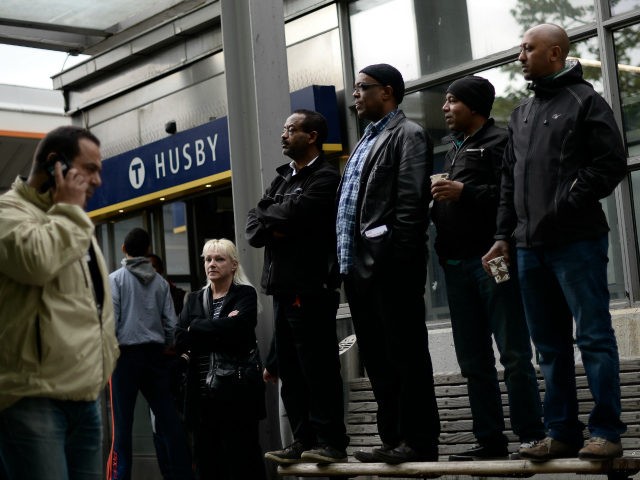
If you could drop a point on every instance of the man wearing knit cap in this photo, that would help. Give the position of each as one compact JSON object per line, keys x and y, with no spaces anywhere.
{"x":381,"y":227}
{"x":464,"y":213}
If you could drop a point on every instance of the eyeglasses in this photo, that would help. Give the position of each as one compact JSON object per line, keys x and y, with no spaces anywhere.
{"x":361,"y":87}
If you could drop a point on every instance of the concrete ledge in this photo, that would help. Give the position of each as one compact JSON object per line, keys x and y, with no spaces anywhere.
{"x":629,"y":465}
{"x":626,"y":323}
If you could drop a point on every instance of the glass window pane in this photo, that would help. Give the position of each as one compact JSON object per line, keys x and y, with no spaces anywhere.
{"x":622,"y":6}
{"x":626,"y":43}
{"x":439,"y":34}
{"x":311,"y":25}
{"x":120,"y":230}
{"x":322,"y":67}
{"x":103,"y":240}
{"x":314,"y":55}
{"x":615,"y":275}
{"x":635,"y":193}
{"x":175,"y":239}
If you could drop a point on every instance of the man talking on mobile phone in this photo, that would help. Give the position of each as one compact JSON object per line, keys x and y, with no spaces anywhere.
{"x":57,"y":335}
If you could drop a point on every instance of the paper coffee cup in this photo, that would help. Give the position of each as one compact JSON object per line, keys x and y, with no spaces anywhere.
{"x":499,"y":269}
{"x":439,"y":176}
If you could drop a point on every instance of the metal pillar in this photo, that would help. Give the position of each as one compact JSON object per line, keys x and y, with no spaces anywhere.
{"x":258,"y":103}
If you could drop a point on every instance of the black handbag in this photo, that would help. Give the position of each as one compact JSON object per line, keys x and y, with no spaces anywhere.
{"x":228,"y":372}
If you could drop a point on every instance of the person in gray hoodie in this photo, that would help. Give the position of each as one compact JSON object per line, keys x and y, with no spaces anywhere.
{"x":145,"y":322}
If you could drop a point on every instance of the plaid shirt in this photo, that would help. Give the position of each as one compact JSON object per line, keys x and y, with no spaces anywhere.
{"x":346,"y":220}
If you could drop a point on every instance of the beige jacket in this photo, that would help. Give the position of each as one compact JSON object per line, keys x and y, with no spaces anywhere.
{"x":53,"y":342}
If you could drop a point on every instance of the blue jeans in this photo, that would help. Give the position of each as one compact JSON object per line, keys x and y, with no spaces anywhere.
{"x":42,"y":439}
{"x":144,"y":368}
{"x":480,"y":308}
{"x":558,"y":284}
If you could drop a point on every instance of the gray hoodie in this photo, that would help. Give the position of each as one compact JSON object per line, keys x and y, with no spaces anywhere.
{"x":142,"y":304}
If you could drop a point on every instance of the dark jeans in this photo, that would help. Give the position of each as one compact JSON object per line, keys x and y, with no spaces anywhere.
{"x":42,"y":438}
{"x":388,"y":316}
{"x":480,"y":308}
{"x":309,"y":367}
{"x":144,"y":368}
{"x":558,"y":284}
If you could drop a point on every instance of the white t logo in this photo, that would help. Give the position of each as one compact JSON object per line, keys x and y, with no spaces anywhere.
{"x":136,"y":173}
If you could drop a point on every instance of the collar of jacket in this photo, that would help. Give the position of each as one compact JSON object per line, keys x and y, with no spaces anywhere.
{"x":549,"y":86}
{"x":43,"y":201}
{"x":459,"y":136}
{"x":285,"y":170}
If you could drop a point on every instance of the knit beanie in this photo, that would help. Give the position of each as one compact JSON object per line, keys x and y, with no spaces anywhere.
{"x":477,"y":93}
{"x":387,"y":76}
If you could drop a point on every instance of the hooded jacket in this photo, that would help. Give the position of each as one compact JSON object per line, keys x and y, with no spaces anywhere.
{"x":565,"y":153}
{"x":300,"y":257}
{"x":142,"y":304}
{"x":466,"y":227}
{"x":54,"y":342}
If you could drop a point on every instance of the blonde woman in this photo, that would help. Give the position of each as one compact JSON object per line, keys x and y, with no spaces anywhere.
{"x":223,"y":412}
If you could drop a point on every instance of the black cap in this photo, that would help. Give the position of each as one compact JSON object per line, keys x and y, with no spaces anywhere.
{"x":387,"y":76}
{"x":477,"y":93}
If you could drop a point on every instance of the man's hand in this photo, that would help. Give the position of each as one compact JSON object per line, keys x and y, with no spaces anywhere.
{"x":446,"y":190}
{"x":500,"y":247}
{"x":71,"y":188}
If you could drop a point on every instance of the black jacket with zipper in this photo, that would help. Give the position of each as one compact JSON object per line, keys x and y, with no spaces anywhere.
{"x":466,"y":227}
{"x":565,"y":153}
{"x":295,"y":221}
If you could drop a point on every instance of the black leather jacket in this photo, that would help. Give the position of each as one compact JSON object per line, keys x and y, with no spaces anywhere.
{"x":466,"y":227}
{"x":394,"y":193}
{"x":295,"y":222}
{"x":565,"y":153}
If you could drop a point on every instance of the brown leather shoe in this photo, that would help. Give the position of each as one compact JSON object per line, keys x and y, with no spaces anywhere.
{"x":547,"y":449}
{"x":598,"y":448}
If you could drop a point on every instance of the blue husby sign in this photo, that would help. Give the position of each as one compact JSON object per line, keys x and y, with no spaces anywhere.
{"x":190,"y":159}
{"x":186,"y":159}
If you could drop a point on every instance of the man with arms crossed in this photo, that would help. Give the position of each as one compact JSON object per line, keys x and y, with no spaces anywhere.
{"x":464,"y":213}
{"x":382,"y":237}
{"x":564,"y":154}
{"x":57,"y":336}
{"x":295,"y":222}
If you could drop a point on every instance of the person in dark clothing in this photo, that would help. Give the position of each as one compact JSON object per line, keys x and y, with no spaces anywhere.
{"x":177,"y":294}
{"x":382,"y":237}
{"x":220,"y":319}
{"x":464,"y":213}
{"x":295,"y":222}
{"x":145,"y":327}
{"x":175,"y":367}
{"x":564,"y":154}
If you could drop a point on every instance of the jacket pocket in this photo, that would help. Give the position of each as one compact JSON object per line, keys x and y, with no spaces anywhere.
{"x":562,"y":206}
{"x":375,"y":250}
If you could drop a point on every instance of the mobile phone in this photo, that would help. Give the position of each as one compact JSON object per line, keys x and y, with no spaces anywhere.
{"x":64,"y":162}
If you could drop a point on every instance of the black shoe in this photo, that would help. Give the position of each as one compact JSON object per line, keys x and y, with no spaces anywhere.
{"x":287,"y":455}
{"x":404,"y":453}
{"x":371,"y":456}
{"x":481,"y":452}
{"x":325,"y":454}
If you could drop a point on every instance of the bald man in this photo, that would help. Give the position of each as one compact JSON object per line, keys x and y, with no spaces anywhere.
{"x":564,"y":155}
